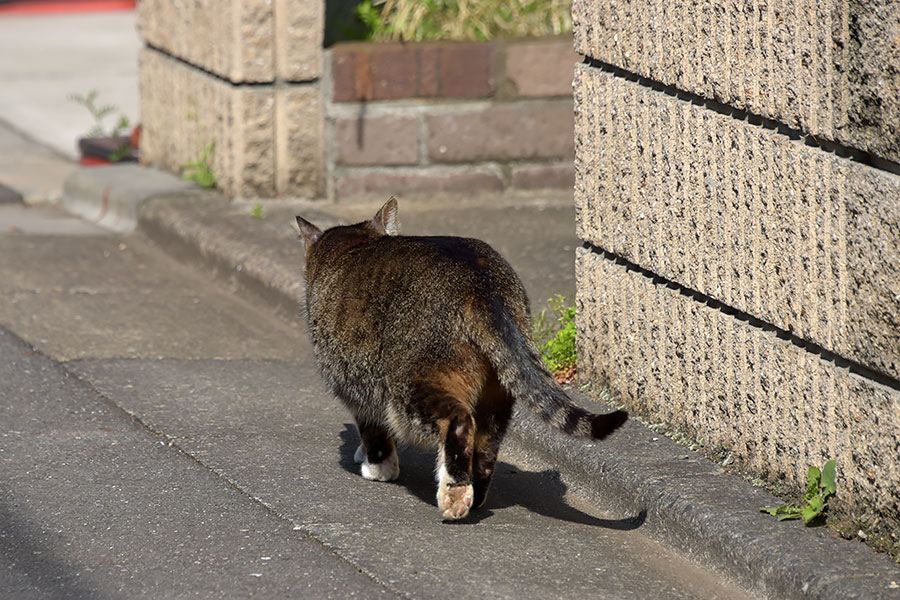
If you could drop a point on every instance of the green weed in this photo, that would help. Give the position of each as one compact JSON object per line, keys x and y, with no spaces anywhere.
{"x":200,"y":171}
{"x":371,"y":18}
{"x":418,"y":20}
{"x":99,"y":114}
{"x":258,"y":212}
{"x":820,"y":485}
{"x":554,"y":334}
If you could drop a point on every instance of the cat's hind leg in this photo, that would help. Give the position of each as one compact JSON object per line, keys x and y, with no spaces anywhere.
{"x":377,"y":453}
{"x":436,"y":401}
{"x":443,"y":400}
{"x":493,"y":413}
{"x":454,"y":469}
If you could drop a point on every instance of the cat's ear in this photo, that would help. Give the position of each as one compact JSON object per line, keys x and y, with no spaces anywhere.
{"x":385,"y":220}
{"x":309,"y":232}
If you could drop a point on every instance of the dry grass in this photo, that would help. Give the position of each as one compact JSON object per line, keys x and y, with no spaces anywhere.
{"x":417,"y":20}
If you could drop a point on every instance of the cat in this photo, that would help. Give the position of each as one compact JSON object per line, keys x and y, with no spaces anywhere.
{"x":427,"y":340}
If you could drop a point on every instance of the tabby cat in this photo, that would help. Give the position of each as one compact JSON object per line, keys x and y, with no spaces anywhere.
{"x":427,"y":340}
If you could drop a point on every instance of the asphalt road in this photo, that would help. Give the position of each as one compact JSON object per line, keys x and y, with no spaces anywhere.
{"x":165,"y":436}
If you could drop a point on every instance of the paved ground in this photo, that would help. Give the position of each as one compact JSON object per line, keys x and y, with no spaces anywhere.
{"x":165,"y":437}
{"x":203,"y":348}
{"x":34,"y":170}
{"x":46,"y":58}
{"x":160,"y":428}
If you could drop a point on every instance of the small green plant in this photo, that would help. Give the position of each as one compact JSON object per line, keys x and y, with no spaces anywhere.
{"x":820,"y":485}
{"x":99,"y":114}
{"x":258,"y":212}
{"x":200,"y":171}
{"x":418,"y":20}
{"x":370,"y":16}
{"x":555,"y":335}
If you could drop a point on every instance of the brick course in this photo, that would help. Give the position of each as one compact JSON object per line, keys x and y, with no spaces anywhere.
{"x":541,"y":176}
{"x":541,"y":69}
{"x":377,"y":140}
{"x":503,"y":108}
{"x":502,"y":132}
{"x":466,"y":70}
{"x":181,"y":111}
{"x":390,"y":71}
{"x":439,"y":180}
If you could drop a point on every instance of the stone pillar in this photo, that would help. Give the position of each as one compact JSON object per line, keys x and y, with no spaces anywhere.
{"x":243,"y":75}
{"x":738,"y":198}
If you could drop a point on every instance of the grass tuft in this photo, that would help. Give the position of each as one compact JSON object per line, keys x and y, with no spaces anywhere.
{"x":554,"y":334}
{"x":419,"y":20}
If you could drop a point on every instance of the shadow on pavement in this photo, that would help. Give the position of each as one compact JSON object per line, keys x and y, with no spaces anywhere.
{"x":539,"y":492}
{"x":24,"y":552}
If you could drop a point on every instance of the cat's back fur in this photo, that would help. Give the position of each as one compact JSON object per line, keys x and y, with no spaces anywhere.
{"x":385,"y":311}
{"x":420,"y":334}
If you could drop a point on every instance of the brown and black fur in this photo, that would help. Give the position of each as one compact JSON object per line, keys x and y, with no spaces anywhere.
{"x":427,"y":341}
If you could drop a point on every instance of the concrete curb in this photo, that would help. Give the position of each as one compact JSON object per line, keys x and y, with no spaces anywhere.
{"x":110,"y":195}
{"x":689,"y":503}
{"x":683,"y":499}
{"x":204,"y":229}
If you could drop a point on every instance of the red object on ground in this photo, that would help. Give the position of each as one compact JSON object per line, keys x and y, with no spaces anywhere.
{"x":106,"y":149}
{"x":135,"y":138}
{"x":33,"y":7}
{"x":92,"y":161}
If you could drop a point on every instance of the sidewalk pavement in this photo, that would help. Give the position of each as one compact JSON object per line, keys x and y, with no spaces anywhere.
{"x":46,"y":58}
{"x":688,"y":501}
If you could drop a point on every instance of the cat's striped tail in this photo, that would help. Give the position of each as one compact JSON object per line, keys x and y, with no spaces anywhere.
{"x":523,"y":374}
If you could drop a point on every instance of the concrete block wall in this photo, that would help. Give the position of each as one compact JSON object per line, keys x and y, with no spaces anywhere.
{"x":739,"y":203}
{"x":245,"y":74}
{"x":449,"y":117}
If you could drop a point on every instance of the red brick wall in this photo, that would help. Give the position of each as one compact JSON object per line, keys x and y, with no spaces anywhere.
{"x":449,"y":117}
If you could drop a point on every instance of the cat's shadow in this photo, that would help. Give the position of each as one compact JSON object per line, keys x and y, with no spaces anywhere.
{"x":540,"y":492}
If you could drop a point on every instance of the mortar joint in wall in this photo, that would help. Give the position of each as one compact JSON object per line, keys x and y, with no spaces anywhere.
{"x":817,"y":350}
{"x":274,"y":82}
{"x":795,"y":135}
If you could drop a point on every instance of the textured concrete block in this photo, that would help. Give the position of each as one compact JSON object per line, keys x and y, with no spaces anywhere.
{"x":234,"y":40}
{"x":795,"y":236}
{"x":184,"y":109}
{"x":299,"y":32}
{"x":301,"y":141}
{"x":377,"y":140}
{"x":830,"y":68}
{"x":541,"y":68}
{"x":511,"y":131}
{"x":246,"y":41}
{"x":775,"y":406}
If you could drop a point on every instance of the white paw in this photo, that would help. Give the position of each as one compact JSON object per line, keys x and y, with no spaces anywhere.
{"x":454,"y":499}
{"x":386,"y":470}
